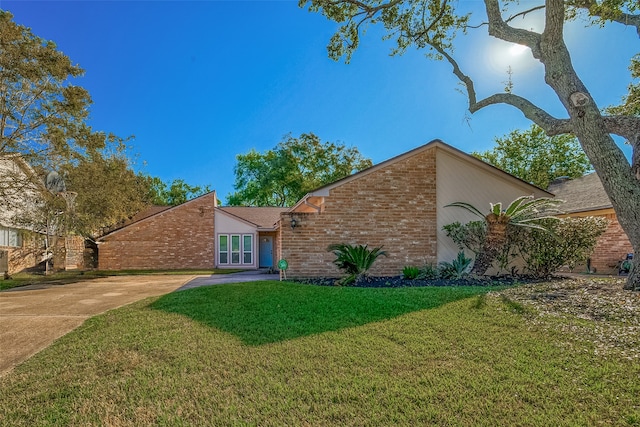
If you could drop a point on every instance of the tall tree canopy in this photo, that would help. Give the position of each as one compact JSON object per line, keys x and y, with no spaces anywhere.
{"x":41,"y":112}
{"x":534,"y":157}
{"x":281,"y":176}
{"x":434,"y":24}
{"x":174,"y":193}
{"x":108,"y":190}
{"x":43,"y":120}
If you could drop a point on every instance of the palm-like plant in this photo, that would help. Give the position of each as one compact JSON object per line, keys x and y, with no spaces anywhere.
{"x":355,"y":260}
{"x":525,"y":211}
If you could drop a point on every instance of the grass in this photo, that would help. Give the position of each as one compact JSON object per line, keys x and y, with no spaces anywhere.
{"x":273,"y":312}
{"x":271,"y":353}
{"x":23,"y":279}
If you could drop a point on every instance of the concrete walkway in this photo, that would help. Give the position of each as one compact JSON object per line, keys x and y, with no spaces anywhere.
{"x":33,"y":317}
{"x":245,"y":276}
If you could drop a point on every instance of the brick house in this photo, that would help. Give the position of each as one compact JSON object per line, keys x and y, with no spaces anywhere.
{"x":195,"y":234}
{"x":20,"y":247}
{"x":585,"y":196}
{"x":22,"y":233}
{"x":398,"y":204}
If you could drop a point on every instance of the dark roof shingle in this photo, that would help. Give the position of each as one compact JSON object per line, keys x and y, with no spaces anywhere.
{"x":581,"y":194}
{"x":263,"y":217}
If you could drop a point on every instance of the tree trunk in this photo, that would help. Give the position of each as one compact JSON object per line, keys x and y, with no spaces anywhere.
{"x":588,"y":125}
{"x":634,"y":275}
{"x":493,"y":244}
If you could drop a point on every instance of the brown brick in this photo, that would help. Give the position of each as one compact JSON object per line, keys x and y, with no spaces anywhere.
{"x":181,"y":237}
{"x":394,"y":207}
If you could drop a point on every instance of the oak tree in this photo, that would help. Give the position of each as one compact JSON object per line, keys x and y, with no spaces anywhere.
{"x":534,"y":157}
{"x":108,"y":189}
{"x":43,"y":123}
{"x":41,"y":112}
{"x":283,"y":175}
{"x":172,"y":193}
{"x":434,"y":24}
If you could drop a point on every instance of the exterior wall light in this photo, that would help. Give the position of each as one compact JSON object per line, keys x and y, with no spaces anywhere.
{"x":294,"y":223}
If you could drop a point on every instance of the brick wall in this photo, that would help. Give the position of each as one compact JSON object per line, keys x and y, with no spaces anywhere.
{"x":394,"y":206}
{"x":25,"y":257}
{"x":612,"y":247}
{"x":181,"y":237}
{"x":69,"y":253}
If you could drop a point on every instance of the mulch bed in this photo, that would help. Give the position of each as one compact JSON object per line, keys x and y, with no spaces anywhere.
{"x":399,"y":281}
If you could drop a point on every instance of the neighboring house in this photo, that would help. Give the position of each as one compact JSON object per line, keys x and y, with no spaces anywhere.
{"x":19,"y":189}
{"x":194,"y":235}
{"x":398,"y":204}
{"x":585,"y":196}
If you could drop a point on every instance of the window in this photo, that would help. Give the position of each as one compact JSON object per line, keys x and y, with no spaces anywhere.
{"x":10,"y":237}
{"x":247,"y":249}
{"x":224,"y":249}
{"x":235,"y":249}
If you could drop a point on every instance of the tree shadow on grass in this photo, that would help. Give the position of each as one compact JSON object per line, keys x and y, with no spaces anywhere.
{"x":267,"y":312}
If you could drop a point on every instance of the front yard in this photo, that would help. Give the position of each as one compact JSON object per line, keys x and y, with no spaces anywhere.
{"x":272,"y":353}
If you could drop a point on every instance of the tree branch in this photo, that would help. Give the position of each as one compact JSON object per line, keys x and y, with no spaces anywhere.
{"x":365,"y":7}
{"x":512,"y":17}
{"x":620,"y":17}
{"x":550,"y":124}
{"x":625,"y":126}
{"x":554,"y":21}
{"x":499,"y":28}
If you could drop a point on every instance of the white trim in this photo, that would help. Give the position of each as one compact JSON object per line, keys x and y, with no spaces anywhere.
{"x":242,"y":250}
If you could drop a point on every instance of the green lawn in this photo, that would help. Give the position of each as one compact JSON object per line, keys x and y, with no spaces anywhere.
{"x":60,"y":277}
{"x":272,"y":353}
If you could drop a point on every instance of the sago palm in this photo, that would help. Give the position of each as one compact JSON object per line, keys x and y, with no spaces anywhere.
{"x":525,"y":211}
{"x":355,"y":260}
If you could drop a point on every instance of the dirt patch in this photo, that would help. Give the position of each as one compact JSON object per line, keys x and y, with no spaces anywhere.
{"x":591,"y":309}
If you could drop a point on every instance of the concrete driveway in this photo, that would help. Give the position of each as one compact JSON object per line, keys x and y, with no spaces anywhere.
{"x":33,"y":317}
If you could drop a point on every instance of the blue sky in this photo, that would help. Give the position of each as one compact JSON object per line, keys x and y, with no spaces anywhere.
{"x":199,"y":82}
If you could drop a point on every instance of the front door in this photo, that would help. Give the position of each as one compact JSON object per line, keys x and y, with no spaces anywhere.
{"x":266,"y":251}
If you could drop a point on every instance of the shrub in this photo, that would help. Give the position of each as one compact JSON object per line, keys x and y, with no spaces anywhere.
{"x":570,"y":241}
{"x":455,"y":269}
{"x":355,"y":261}
{"x":470,"y":235}
{"x":429,"y":272}
{"x":567,"y":241}
{"x":410,"y":272}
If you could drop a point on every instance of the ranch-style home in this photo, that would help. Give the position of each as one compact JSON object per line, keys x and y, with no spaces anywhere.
{"x":197,"y":234}
{"x":399,"y":204}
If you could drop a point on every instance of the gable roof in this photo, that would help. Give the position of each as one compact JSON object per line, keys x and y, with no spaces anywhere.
{"x":261,"y":217}
{"x":436,"y":143}
{"x":147,"y":212}
{"x":152,"y":212}
{"x":581,"y":194}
